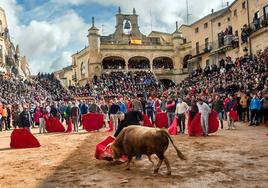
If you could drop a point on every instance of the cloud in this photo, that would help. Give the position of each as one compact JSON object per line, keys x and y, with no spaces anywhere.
{"x":50,"y":32}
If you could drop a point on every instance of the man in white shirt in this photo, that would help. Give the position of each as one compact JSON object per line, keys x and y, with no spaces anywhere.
{"x":205,"y":110}
{"x":181,"y":109}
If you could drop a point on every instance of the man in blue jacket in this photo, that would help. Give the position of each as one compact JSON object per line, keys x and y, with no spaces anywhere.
{"x":255,"y":106}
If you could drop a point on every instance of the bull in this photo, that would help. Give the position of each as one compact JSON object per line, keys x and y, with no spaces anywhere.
{"x":136,"y":141}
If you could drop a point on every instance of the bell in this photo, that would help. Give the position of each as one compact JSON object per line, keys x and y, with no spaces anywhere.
{"x":127,"y":25}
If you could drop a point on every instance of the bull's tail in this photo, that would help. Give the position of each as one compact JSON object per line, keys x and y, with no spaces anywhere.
{"x":179,"y":153}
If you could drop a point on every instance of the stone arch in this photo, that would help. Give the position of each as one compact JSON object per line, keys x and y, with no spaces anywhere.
{"x":139,"y":62}
{"x":113,"y":62}
{"x":163,"y":62}
{"x":185,"y":61}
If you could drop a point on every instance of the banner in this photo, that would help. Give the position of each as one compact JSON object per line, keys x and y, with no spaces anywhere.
{"x":135,"y":41}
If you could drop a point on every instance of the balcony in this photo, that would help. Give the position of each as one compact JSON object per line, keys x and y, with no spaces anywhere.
{"x":205,"y":48}
{"x":258,"y":24}
{"x":227,"y":41}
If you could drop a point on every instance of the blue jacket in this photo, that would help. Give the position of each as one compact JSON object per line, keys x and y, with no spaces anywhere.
{"x":122,"y":107}
{"x":255,"y":104}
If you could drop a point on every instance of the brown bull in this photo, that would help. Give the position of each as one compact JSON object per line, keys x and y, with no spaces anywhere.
{"x":136,"y":140}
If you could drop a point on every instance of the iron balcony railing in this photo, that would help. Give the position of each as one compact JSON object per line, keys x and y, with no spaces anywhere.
{"x":258,"y":24}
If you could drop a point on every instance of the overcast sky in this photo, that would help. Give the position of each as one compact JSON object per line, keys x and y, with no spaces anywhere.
{"x":49,"y":31}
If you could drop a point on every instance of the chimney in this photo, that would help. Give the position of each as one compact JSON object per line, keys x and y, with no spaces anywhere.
{"x":227,"y":3}
{"x":212,"y":11}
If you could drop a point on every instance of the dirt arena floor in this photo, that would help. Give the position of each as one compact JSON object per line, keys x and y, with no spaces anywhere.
{"x":237,"y":158}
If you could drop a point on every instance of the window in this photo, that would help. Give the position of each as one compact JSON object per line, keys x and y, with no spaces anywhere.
{"x":206,"y":25}
{"x":219,"y":24}
{"x":207,"y":62}
{"x":197,"y":47}
{"x":228,"y":19}
{"x":244,"y":5}
{"x":236,"y":33}
{"x":206,"y":44}
{"x":265,"y":12}
{"x":196,"y":30}
{"x":235,"y":12}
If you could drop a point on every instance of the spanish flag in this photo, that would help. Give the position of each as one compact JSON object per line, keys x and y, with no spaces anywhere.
{"x":135,"y":41}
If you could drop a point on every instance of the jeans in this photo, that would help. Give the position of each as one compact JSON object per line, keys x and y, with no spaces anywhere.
{"x":41,"y":125}
{"x":150,"y":114}
{"x":171,"y":116}
{"x":181,"y":122}
{"x":75,"y":121}
{"x":230,"y":122}
{"x":204,"y":123}
{"x":220,"y":116}
{"x":255,"y":116}
{"x":115,"y":121}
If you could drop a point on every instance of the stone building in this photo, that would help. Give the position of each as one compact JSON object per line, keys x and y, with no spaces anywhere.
{"x":237,"y":30}
{"x":127,"y":49}
{"x":11,"y":62}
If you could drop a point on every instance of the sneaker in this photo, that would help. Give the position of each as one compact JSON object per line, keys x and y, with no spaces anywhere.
{"x":228,"y":128}
{"x":233,"y":128}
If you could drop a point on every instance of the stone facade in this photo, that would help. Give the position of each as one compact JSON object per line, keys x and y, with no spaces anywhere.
{"x":11,"y":61}
{"x":129,"y":46}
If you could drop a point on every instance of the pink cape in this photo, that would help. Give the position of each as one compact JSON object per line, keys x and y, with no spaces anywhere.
{"x":195,"y":128}
{"x":22,"y":138}
{"x":70,"y":126}
{"x":111,"y":128}
{"x":161,"y":120}
{"x":146,"y":121}
{"x":92,"y":121}
{"x":103,"y":152}
{"x":173,"y":129}
{"x":53,"y":124}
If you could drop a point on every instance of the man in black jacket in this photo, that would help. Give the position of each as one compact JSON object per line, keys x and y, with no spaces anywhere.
{"x":25,"y":120}
{"x":129,"y":118}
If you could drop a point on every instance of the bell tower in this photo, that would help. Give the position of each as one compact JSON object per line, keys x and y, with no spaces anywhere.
{"x":127,"y":26}
{"x":93,"y":37}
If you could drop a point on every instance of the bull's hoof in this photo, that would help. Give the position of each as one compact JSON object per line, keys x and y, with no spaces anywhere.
{"x":168,"y":173}
{"x":127,"y":168}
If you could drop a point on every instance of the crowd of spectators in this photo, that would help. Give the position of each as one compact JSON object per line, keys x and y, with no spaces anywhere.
{"x":247,"y":74}
{"x":161,"y":64}
{"x":130,"y":83}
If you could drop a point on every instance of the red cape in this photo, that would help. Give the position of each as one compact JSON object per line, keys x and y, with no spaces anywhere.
{"x":173,"y":129}
{"x":22,"y":138}
{"x":195,"y":128}
{"x":161,"y":120}
{"x":103,"y":152}
{"x":53,"y":124}
{"x":111,"y":128}
{"x":92,"y":121}
{"x":146,"y":121}
{"x":70,"y":126}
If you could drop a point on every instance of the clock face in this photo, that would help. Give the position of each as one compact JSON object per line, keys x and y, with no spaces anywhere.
{"x":127,"y":27}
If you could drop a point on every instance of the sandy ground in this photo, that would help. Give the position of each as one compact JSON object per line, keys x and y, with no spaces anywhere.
{"x":237,"y":158}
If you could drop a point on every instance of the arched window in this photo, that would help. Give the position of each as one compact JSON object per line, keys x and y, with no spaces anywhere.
{"x":139,"y":62}
{"x":185,"y":61}
{"x":163,"y":63}
{"x":113,"y":62}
